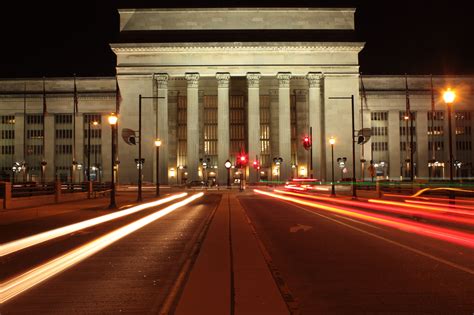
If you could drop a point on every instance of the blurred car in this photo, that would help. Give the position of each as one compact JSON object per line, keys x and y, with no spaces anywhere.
{"x":196,"y":184}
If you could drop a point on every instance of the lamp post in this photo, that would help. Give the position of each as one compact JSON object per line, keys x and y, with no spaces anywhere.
{"x":113,"y":122}
{"x":449,"y":97}
{"x":95,"y":123}
{"x":228,"y":165}
{"x":157,"y":145}
{"x":278,"y":161}
{"x":332,"y":141}
{"x":354,"y":189}
{"x":140,"y":161}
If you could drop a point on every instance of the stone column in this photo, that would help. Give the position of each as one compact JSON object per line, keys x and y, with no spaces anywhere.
{"x":253,"y":121}
{"x":284,"y":124}
{"x":192,"y":157}
{"x":49,"y":134}
{"x":394,"y":144}
{"x":316,"y":121}
{"x":162,"y":127}
{"x":223,"y":136}
{"x":422,"y":152}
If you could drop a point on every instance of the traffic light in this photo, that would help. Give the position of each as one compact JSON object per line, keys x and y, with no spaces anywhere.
{"x":241,"y":160}
{"x":307,"y":142}
{"x":256,"y":164}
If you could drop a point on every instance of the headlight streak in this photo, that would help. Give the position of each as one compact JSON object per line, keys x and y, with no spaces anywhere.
{"x":437,"y":204}
{"x":23,"y":243}
{"x":381,"y":207}
{"x":27,"y":280}
{"x":443,"y":234}
{"x":414,"y":206}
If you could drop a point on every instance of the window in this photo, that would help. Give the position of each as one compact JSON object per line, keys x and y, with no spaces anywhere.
{"x":379,"y":116}
{"x":438,"y":115}
{"x":8,"y":134}
{"x":237,"y":121}
{"x":34,"y":119}
{"x":8,"y":149}
{"x":265,"y":131}
{"x":8,"y":120}
{"x":380,"y":146}
{"x":210,"y":128}
{"x":181,"y":130}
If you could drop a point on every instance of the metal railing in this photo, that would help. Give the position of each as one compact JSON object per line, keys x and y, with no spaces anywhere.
{"x":32,"y":189}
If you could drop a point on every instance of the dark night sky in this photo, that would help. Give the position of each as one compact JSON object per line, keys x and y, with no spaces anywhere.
{"x":402,"y":36}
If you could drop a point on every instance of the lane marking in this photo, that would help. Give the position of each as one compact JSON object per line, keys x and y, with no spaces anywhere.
{"x":35,"y":276}
{"x":300,"y":227}
{"x":359,"y":222}
{"x":417,"y":251}
{"x":14,"y":246}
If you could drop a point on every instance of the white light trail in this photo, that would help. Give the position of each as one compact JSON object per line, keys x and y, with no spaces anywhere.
{"x":27,"y":280}
{"x":23,"y":243}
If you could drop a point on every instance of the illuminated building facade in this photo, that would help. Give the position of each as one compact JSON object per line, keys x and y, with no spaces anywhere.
{"x":233,"y":81}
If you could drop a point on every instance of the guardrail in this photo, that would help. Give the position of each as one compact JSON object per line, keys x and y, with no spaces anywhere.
{"x":32,"y":189}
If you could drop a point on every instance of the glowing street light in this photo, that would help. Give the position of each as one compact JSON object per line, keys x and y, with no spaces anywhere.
{"x":113,"y":124}
{"x":332,"y":141}
{"x":158,"y":145}
{"x":449,"y":97}
{"x":228,"y":165}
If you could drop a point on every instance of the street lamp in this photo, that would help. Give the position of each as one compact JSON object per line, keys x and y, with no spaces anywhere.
{"x":228,"y":165}
{"x":449,"y":97}
{"x":278,"y":161}
{"x":332,"y":141}
{"x":113,"y":123}
{"x":157,"y":145}
{"x":94,"y":123}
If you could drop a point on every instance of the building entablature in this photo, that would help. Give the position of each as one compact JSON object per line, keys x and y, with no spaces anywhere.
{"x":237,"y":19}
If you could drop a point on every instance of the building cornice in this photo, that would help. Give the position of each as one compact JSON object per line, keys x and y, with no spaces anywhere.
{"x":131,"y":48}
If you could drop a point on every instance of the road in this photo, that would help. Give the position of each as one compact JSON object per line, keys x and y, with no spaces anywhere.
{"x":334,"y":264}
{"x":132,"y":275}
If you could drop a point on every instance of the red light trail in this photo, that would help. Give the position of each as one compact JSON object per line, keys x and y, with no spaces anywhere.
{"x":455,"y":237}
{"x":392,"y":208}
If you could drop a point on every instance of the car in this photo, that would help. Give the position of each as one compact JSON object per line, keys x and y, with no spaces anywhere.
{"x":196,"y":184}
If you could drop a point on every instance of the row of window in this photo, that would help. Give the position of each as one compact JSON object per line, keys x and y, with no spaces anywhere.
{"x":35,"y":134}
{"x":379,"y":131}
{"x":438,"y":145}
{"x":463,"y":145}
{"x":403,"y":131}
{"x":8,"y":120}
{"x":379,"y":146}
{"x":465,"y":130}
{"x":8,"y":149}
{"x":379,"y":116}
{"x":435,"y":130}
{"x":8,"y":134}
{"x":404,"y":146}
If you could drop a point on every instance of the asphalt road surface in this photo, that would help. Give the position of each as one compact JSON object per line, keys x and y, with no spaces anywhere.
{"x":133,"y":275}
{"x":338,"y":265}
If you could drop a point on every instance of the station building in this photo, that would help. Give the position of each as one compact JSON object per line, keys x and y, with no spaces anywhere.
{"x":218,"y":83}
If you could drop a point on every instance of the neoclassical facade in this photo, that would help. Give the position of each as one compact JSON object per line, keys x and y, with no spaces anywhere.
{"x":218,"y":83}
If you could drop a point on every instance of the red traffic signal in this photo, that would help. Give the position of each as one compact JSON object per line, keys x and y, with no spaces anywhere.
{"x":256,"y":165}
{"x":242,"y":160}
{"x":307,"y":142}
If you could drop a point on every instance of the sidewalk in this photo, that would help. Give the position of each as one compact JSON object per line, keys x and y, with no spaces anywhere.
{"x":123,"y":199}
{"x":230,"y":275}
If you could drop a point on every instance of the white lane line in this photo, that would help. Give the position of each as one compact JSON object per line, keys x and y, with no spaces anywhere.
{"x":32,"y":277}
{"x":359,"y":222}
{"x":417,"y":251}
{"x":25,"y":242}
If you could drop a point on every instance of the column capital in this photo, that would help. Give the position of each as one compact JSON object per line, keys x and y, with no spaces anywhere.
{"x":284,"y":79}
{"x":223,"y":79}
{"x":253,"y":79}
{"x":162,"y":80}
{"x":314,"y":79}
{"x":193,"y":79}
